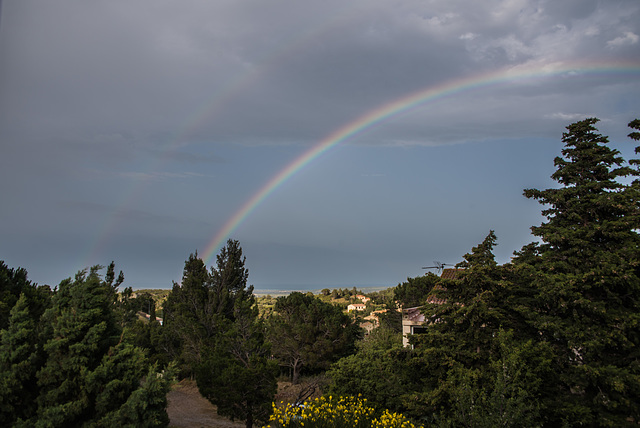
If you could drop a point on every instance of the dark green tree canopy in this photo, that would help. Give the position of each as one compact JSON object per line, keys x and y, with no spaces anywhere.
{"x":306,"y":332}
{"x":211,"y":328}
{"x":591,"y":211}
{"x":585,"y":274}
{"x":71,"y":365}
{"x":414,"y":291}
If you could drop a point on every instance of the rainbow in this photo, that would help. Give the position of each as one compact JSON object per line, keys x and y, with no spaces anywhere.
{"x":401,"y":105}
{"x":216,"y":102}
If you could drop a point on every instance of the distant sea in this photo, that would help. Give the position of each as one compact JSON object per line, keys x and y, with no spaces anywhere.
{"x":276,"y":291}
{"x":284,"y":290}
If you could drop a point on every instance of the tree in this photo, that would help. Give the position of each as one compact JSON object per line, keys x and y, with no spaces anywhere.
{"x":377,"y":371}
{"x":14,"y":282}
{"x":587,"y":284}
{"x":503,"y":393}
{"x":90,"y":375}
{"x":188,"y":321}
{"x":236,"y":373}
{"x":476,"y":306}
{"x":20,"y":358}
{"x":307,"y":332}
{"x":229,"y":280}
{"x":211,"y":327}
{"x":635,"y":135}
{"x":456,"y":352}
{"x":413,"y":292}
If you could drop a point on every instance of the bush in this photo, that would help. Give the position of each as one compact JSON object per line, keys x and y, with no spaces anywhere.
{"x":339,"y":412}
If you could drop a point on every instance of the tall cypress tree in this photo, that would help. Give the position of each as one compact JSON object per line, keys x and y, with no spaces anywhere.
{"x":588,"y":288}
{"x":236,"y":373}
{"x":211,"y":328}
{"x":187,"y":321}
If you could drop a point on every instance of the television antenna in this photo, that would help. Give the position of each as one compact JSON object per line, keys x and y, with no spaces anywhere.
{"x":437,"y":265}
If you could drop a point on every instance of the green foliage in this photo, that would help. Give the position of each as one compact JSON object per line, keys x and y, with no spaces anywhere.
{"x":188,"y":317}
{"x":307,"y":332}
{"x":588,"y":295}
{"x":380,"y":375}
{"x":237,"y":373}
{"x":550,"y":339}
{"x":241,"y":388}
{"x":13,"y":283}
{"x":506,"y":392}
{"x":474,"y":308}
{"x":413,"y":292}
{"x":380,"y":338}
{"x":89,"y":373}
{"x":265,"y":305}
{"x":70,"y":366}
{"x":212,"y":330}
{"x":145,"y":407}
{"x":19,"y":360}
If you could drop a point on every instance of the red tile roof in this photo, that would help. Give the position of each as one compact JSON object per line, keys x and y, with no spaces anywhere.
{"x":446,"y":274}
{"x":451,"y":273}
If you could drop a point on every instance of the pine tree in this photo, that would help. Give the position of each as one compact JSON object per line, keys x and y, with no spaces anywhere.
{"x":211,"y":328}
{"x":188,"y":321}
{"x":12,"y":283}
{"x":229,"y":280}
{"x":236,"y":373}
{"x":90,"y":374}
{"x":477,"y":304}
{"x":463,"y":348}
{"x":587,"y":283}
{"x":20,"y":358}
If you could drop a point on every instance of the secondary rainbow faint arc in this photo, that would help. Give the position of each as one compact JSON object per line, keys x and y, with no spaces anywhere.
{"x":386,"y":111}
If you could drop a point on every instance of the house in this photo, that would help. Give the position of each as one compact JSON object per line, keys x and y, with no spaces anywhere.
{"x":413,"y":320}
{"x":373,"y":317}
{"x":367,"y":326}
{"x":363,"y":298}
{"x":356,"y":307}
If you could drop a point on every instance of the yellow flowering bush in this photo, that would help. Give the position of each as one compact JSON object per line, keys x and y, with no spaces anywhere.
{"x":338,"y":412}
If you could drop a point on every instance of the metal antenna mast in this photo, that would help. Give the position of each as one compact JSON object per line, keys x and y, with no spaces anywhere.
{"x":438,"y":265}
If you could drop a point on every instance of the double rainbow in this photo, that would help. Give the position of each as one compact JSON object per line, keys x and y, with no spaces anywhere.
{"x":398,"y":106}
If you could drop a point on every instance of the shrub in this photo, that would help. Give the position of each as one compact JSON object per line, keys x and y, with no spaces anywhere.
{"x":338,"y":412}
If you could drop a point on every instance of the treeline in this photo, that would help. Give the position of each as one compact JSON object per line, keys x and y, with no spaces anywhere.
{"x":70,"y":356}
{"x":550,"y":339}
{"x":213,"y":331}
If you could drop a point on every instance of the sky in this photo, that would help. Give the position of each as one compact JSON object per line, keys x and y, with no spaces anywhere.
{"x":342,"y":143}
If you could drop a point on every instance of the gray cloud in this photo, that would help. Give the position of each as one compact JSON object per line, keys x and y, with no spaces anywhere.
{"x":167,"y":116}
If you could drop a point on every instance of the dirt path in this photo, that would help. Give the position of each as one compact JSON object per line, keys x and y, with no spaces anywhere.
{"x":188,"y":409}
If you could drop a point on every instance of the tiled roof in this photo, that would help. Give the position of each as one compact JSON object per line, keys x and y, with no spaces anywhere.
{"x":446,"y":274}
{"x":451,"y":273}
{"x":413,"y":315}
{"x":433,"y":299}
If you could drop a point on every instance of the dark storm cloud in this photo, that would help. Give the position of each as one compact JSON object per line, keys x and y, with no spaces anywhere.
{"x":91,"y":69}
{"x":161,"y":118}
